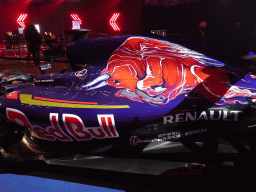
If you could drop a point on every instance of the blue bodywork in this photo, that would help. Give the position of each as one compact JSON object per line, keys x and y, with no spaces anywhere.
{"x":88,"y":107}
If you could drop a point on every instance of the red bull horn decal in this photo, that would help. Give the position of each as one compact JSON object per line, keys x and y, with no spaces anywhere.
{"x":156,"y":72}
{"x":73,"y":125}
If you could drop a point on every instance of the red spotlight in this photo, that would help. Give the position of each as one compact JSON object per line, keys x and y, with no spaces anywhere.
{"x":112,"y":21}
{"x":21,"y":20}
{"x":75,"y":17}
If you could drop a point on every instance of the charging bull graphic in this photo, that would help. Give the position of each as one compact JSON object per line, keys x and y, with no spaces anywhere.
{"x":156,"y":72}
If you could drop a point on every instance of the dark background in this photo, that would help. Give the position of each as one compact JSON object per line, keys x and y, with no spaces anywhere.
{"x":137,"y":16}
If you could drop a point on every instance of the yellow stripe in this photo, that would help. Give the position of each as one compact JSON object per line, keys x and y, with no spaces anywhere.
{"x":27,"y":99}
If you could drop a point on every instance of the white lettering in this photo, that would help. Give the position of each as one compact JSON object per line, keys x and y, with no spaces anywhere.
{"x":192,"y":118}
{"x":178,"y":118}
{"x":225,"y":116}
{"x":170,"y":135}
{"x":187,"y":133}
{"x":162,"y":136}
{"x":195,"y":131}
{"x":168,"y":119}
{"x":236,"y":114}
{"x":212,"y":115}
{"x":203,"y":115}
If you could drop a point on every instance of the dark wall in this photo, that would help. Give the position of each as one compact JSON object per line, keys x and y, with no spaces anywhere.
{"x":221,"y":15}
{"x":175,"y":19}
{"x":54,"y":16}
{"x":231,"y":26}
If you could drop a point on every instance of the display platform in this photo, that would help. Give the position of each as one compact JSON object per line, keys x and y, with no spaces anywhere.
{"x":13,"y":182}
{"x":39,"y":176}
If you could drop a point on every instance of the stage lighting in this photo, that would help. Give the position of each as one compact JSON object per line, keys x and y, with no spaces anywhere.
{"x":37,"y":27}
{"x":75,"y":25}
{"x":75,"y":17}
{"x":21,"y":20}
{"x":112,"y":22}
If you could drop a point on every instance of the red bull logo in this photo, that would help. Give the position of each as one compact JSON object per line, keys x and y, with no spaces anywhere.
{"x":73,"y":125}
{"x":156,"y":72}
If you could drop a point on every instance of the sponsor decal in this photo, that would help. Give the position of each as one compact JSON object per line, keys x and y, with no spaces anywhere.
{"x":81,"y":73}
{"x":223,"y":115}
{"x":192,"y":132}
{"x":135,"y":140}
{"x":168,"y":136}
{"x":73,"y":125}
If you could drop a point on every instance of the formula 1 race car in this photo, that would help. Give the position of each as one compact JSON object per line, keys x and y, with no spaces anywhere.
{"x":136,"y":97}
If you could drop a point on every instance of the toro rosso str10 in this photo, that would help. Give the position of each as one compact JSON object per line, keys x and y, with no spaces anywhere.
{"x":133,"y":91}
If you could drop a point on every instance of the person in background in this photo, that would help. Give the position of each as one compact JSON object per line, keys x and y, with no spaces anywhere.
{"x":48,"y":39}
{"x":236,"y":40}
{"x":9,"y":39}
{"x":197,"y":35}
{"x":16,"y":43}
{"x":34,"y":41}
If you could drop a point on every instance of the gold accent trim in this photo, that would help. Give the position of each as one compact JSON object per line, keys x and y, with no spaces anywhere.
{"x":27,"y":99}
